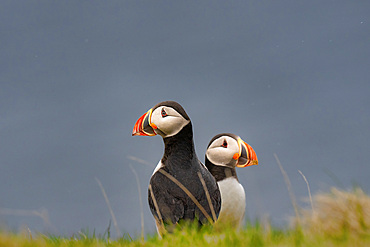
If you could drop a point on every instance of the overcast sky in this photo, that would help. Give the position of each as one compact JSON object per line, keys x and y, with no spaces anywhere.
{"x":289,"y":77}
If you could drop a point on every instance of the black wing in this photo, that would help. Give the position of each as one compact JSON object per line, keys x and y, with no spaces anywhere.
{"x":171,"y":209}
{"x":213,"y":190}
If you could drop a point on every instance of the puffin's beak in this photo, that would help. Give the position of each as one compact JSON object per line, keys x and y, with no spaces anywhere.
{"x":143,"y":126}
{"x":247,"y":156}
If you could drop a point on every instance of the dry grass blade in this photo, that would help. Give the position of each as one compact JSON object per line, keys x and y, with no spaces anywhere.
{"x":29,"y":232}
{"x":160,"y":220}
{"x":289,"y":187}
{"x":140,"y":200}
{"x":208,"y":197}
{"x":42,"y":213}
{"x":340,"y":212}
{"x":309,"y":191}
{"x":141,"y":161}
{"x":109,"y":207}
{"x":190,"y":195}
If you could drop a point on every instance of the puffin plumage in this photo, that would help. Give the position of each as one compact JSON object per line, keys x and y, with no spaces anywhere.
{"x":168,"y":202}
{"x":225,"y":152}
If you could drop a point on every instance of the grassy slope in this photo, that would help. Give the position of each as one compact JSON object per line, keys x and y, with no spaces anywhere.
{"x":250,"y":236}
{"x":339,"y":218}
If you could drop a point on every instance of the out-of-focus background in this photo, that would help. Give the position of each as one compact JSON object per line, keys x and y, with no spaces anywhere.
{"x":289,"y":77}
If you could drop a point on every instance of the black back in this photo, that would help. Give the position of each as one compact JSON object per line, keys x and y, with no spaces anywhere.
{"x":181,"y":162}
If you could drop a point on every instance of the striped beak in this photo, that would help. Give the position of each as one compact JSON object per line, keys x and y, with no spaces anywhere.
{"x":143,"y":126}
{"x":247,"y":156}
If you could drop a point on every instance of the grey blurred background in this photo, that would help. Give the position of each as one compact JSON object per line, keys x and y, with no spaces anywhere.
{"x":289,"y":77}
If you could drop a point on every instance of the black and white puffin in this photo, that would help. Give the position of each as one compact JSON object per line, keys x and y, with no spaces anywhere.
{"x":171,"y":203}
{"x":225,"y":152}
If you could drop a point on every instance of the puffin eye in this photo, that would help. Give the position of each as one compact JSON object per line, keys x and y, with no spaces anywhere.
{"x":163,"y":113}
{"x":224,"y":145}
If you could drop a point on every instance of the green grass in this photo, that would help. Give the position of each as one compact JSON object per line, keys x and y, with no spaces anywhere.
{"x":252,"y":235}
{"x":337,"y":218}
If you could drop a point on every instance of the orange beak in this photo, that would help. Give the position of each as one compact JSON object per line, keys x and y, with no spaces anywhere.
{"x":143,"y":126}
{"x":247,"y":156}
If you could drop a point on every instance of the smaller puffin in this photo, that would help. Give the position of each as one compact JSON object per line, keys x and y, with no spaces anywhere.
{"x":225,"y":152}
{"x":168,"y":202}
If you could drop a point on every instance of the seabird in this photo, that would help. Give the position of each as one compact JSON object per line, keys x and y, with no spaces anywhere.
{"x":225,"y":152}
{"x":168,"y":201}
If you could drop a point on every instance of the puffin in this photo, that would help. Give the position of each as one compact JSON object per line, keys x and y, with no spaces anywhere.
{"x":225,"y":152}
{"x":181,"y":189}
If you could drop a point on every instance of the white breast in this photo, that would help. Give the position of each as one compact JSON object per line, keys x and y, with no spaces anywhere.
{"x":157,"y":167}
{"x":160,"y":231}
{"x":232,"y":202}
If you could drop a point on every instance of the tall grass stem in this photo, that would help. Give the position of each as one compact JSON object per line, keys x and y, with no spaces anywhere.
{"x":208,"y":197}
{"x":309,"y":191}
{"x":161,"y":225}
{"x":141,"y":161}
{"x":190,"y":195}
{"x":109,"y":207}
{"x":140,"y":200}
{"x":289,"y":187}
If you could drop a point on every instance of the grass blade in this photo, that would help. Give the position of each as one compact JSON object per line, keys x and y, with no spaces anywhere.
{"x":109,"y":207}
{"x":208,"y":197}
{"x":289,"y":187}
{"x":190,"y":195}
{"x":161,"y":229}
{"x":309,"y":191}
{"x":140,"y":200}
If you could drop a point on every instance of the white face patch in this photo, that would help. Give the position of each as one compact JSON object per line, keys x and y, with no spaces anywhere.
{"x":222,"y":150}
{"x":168,"y":121}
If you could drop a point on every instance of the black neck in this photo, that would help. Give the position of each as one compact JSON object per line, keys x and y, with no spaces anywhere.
{"x":180,"y":147}
{"x":220,"y":172}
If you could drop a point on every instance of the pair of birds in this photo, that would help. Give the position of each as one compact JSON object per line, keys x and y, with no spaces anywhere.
{"x":181,"y":187}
